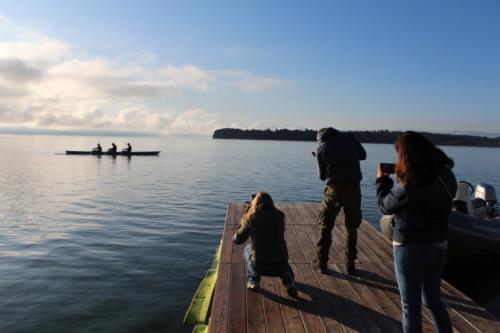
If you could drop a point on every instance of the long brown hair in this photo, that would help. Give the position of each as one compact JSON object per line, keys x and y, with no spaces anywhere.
{"x":419,"y":160}
{"x":261,"y":200}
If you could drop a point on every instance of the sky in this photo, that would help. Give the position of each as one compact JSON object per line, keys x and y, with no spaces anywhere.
{"x":189,"y":67}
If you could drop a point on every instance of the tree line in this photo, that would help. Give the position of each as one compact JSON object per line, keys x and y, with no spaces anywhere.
{"x":377,"y":136}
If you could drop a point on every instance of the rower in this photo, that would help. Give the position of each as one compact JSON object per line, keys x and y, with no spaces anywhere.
{"x":97,"y":149}
{"x":113,"y":148}
{"x":127,"y":150}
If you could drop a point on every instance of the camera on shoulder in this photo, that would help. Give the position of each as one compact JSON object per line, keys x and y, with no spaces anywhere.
{"x":249,"y":203}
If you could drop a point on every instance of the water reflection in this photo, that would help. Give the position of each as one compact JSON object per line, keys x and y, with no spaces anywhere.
{"x":117,"y":244}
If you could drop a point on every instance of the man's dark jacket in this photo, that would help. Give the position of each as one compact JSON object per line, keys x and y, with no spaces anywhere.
{"x":338,"y":156}
{"x":267,"y":230}
{"x":421,"y":211}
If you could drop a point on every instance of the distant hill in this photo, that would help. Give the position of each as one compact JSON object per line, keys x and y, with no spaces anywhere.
{"x":380,"y":136}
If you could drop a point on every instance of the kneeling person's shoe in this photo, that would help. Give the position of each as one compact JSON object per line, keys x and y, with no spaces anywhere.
{"x":351,"y":267}
{"x":320,"y":266}
{"x":253,"y":285}
{"x":291,"y":288}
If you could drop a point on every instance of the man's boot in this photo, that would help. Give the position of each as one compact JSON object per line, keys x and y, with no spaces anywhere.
{"x":351,"y":267}
{"x":320,"y":266}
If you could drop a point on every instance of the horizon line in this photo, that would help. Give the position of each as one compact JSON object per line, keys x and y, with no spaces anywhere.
{"x":135,"y":133}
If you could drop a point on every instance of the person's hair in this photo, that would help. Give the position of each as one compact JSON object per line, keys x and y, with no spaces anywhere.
{"x":419,"y":160}
{"x":261,"y":199}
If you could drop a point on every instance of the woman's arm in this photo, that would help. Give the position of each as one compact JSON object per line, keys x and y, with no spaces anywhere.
{"x":390,"y":199}
{"x":321,"y":166}
{"x":243,"y":232}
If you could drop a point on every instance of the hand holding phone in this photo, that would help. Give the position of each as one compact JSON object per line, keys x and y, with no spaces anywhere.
{"x":386,"y":169}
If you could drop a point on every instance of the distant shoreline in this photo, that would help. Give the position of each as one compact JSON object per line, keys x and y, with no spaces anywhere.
{"x":379,"y":136}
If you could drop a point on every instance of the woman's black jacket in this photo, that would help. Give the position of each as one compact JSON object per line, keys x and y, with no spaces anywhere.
{"x":421,"y":211}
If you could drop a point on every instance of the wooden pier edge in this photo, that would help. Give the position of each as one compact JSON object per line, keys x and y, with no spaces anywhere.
{"x":335,"y":302}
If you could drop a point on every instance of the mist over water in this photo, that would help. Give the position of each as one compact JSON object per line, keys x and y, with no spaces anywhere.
{"x":108,"y":244}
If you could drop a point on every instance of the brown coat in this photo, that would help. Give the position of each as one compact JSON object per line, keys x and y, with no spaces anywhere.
{"x":266,"y":228}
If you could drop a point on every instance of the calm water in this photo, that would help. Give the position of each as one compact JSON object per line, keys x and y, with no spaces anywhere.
{"x":93,"y":244}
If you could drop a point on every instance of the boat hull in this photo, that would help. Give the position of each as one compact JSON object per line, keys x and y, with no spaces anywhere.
{"x":474,"y":237}
{"x":118,"y":153}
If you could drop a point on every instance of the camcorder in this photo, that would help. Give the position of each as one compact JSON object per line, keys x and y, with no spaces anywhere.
{"x":388,"y":167}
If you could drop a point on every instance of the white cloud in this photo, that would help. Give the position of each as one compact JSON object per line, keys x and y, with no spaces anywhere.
{"x":194,"y":122}
{"x":45,"y":82}
{"x":18,"y":70}
{"x":26,"y":44}
{"x":189,"y":77}
{"x":38,"y":51}
{"x":138,"y":117}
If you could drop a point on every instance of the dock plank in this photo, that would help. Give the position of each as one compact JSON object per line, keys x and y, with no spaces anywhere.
{"x":289,"y":312}
{"x":335,"y":302}
{"x":256,"y":321}
{"x":227,"y":237}
{"x":294,"y":250}
{"x":237,"y":301}
{"x":218,"y":321}
{"x":306,"y":302}
{"x":237,"y":250}
{"x":272,"y":311}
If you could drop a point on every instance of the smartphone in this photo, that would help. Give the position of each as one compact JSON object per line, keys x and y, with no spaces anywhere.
{"x":388,"y":167}
{"x":253,"y":195}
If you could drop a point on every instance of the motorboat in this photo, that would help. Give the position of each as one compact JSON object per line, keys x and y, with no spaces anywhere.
{"x":474,"y":223}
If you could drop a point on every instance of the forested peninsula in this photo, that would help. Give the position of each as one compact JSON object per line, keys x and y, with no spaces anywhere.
{"x":379,"y":136}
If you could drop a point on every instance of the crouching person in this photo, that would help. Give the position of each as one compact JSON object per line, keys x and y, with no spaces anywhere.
{"x":267,"y":253}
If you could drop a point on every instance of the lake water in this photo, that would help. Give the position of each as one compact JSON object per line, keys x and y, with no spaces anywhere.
{"x":92,"y":244}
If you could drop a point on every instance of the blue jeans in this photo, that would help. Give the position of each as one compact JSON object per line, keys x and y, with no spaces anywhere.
{"x":419,"y":268}
{"x":253,"y":276}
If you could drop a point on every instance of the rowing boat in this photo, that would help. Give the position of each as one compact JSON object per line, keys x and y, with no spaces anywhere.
{"x":118,"y":153}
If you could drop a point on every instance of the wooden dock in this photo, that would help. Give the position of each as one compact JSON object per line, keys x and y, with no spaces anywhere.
{"x":335,"y":302}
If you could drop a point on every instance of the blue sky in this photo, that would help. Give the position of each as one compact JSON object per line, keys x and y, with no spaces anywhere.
{"x":187,"y":67}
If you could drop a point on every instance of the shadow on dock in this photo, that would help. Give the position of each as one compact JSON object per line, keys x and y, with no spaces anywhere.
{"x":333,"y":302}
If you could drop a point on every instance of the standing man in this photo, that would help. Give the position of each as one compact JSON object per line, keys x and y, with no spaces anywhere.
{"x":338,"y":157}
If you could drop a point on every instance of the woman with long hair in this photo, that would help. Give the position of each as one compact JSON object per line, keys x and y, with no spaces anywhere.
{"x":421,"y":202}
{"x":267,"y":253}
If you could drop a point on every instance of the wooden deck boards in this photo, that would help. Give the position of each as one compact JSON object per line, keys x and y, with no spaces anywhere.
{"x":335,"y":302}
